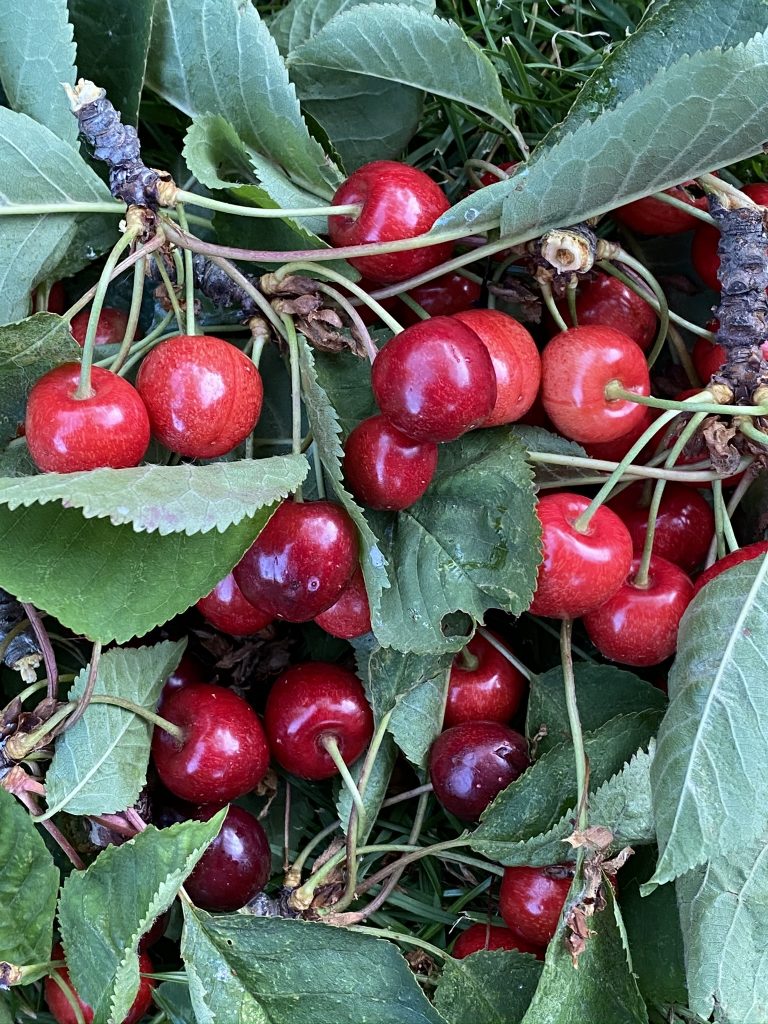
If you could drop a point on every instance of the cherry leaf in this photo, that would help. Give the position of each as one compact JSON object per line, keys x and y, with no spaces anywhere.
{"x":487,"y":987}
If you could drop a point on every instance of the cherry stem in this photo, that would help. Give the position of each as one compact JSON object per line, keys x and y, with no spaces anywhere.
{"x":115,"y":823}
{"x":259,"y":338}
{"x":46,"y":648}
{"x":582,"y":765}
{"x":135,"y":819}
{"x":751,"y":431}
{"x":506,"y":653}
{"x":357,"y":321}
{"x":70,"y":996}
{"x":261,"y":300}
{"x":53,"y":830}
{"x":20,"y":745}
{"x":133,"y":315}
{"x":141,"y":348}
{"x":331,"y":745}
{"x":409,"y":940}
{"x":730,"y":536}
{"x":683,"y":356}
{"x":717,"y":495}
{"x":293,"y":874}
{"x":545,"y":625}
{"x":293,"y":357}
{"x":408,"y":795}
{"x":570,"y":294}
{"x":469,"y":661}
{"x":317,"y":466}
{"x":457,"y":263}
{"x":62,"y":209}
{"x":287,"y":826}
{"x":549,"y":301}
{"x":192,"y":199}
{"x":126,"y":264}
{"x":614,"y":390}
{"x":412,"y":304}
{"x":171,"y":293}
{"x":90,"y":684}
{"x":189,"y":275}
{"x":688,"y":208}
{"x":740,"y":490}
{"x":149,"y":716}
{"x":661,"y":299}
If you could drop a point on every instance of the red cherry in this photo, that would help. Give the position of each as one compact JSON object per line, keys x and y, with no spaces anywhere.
{"x":580,"y":570}
{"x":532,"y":899}
{"x":489,"y":178}
{"x":110,"y":329}
{"x":577,"y":364}
{"x":651,"y":216}
{"x":61,"y":1008}
{"x":638,"y":625}
{"x":704,"y":257}
{"x":707,"y":358}
{"x":516,"y":362}
{"x":383,"y":468}
{"x":606,"y":300}
{"x":203,"y":395}
{"x":235,"y":866}
{"x":491,"y":936}
{"x":227,"y":610}
{"x":435,"y":381}
{"x":757,"y":191}
{"x":614,"y":451}
{"x":684,"y":524}
{"x":156,"y":931}
{"x":224,"y":753}
{"x":350,"y":616}
{"x":471,"y":763}
{"x":187,"y":671}
{"x":309,"y":704}
{"x":57,"y":298}
{"x":301,"y":561}
{"x":745,"y":554}
{"x":398,"y":201}
{"x":491,"y":691}
{"x":445,"y":296}
{"x":67,"y":434}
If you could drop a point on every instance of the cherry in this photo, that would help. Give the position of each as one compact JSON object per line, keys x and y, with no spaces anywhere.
{"x":61,"y":1008}
{"x":607,"y":300}
{"x":445,"y":296}
{"x":745,"y":554}
{"x":651,"y":216}
{"x":435,"y":380}
{"x":516,"y":362}
{"x":483,"y":686}
{"x":67,"y":434}
{"x":489,"y":178}
{"x":757,"y":192}
{"x":57,"y":298}
{"x":704,"y":257}
{"x":383,"y":468}
{"x":156,"y":931}
{"x":227,"y":610}
{"x":580,"y":569}
{"x":301,"y":561}
{"x":187,"y":671}
{"x":532,"y":899}
{"x":638,"y":625}
{"x":308,"y":706}
{"x":576,"y":367}
{"x":491,"y":936}
{"x":614,"y":451}
{"x":398,"y":201}
{"x":350,"y":616}
{"x":224,"y":752}
{"x":471,"y":763}
{"x":110,"y":329}
{"x":235,"y":866}
{"x":203,"y":395}
{"x":684,"y":524}
{"x":707,"y":358}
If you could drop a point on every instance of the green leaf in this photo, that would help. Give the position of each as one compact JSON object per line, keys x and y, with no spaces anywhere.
{"x":301,"y":20}
{"x":537,"y":439}
{"x":104,"y":910}
{"x":108,"y":582}
{"x":299,"y":972}
{"x":710,"y":776}
{"x":488,"y":987}
{"x":37,"y":56}
{"x":375,"y":790}
{"x":100,"y":764}
{"x":174,"y":1000}
{"x":184,"y":499}
{"x":29,"y":884}
{"x":346,"y":380}
{"x":216,"y":993}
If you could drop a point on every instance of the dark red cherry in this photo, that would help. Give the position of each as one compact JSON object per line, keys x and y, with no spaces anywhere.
{"x":435,"y":380}
{"x":491,"y":936}
{"x":309,"y":704}
{"x":60,"y":1006}
{"x":580,"y":570}
{"x":110,"y":329}
{"x":684,"y":524}
{"x":224,"y":753}
{"x":398,"y":201}
{"x":187,"y":671}
{"x":445,"y":296}
{"x":704,"y":255}
{"x":483,"y":685}
{"x":227,"y":610}
{"x":57,"y":298}
{"x":532,"y":899}
{"x":757,"y":192}
{"x":471,"y":763}
{"x":155,"y":932}
{"x":67,"y":434}
{"x":614,"y":451}
{"x":350,"y":616}
{"x":651,"y":216}
{"x":383,"y":468}
{"x":235,"y":866}
{"x":301,"y":561}
{"x":203,"y":395}
{"x":606,"y":300}
{"x":745,"y":554}
{"x":707,"y":358}
{"x":638,"y":625}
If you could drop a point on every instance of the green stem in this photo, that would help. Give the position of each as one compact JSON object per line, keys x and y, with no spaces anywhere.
{"x":412,"y":304}
{"x":614,"y":390}
{"x":261,"y":300}
{"x":171,"y":293}
{"x":189,"y":275}
{"x":730,"y":536}
{"x":717,"y":495}
{"x":468,"y":660}
{"x":549,"y":302}
{"x":139,"y":253}
{"x":683,"y":355}
{"x":579,"y":753}
{"x":663,"y":310}
{"x":570,"y":294}
{"x":409,"y":940}
{"x":133,"y":315}
{"x":149,"y":716}
{"x":125,"y":359}
{"x":192,"y":199}
{"x":688,"y":208}
{"x":69,"y":994}
{"x":506,"y":653}
{"x":753,"y":433}
{"x":60,"y":209}
{"x":293,"y":875}
{"x":631,"y":472}
{"x":293,"y":355}
{"x":331,"y":745}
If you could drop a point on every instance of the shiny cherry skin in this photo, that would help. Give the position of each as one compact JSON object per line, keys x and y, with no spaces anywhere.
{"x":67,"y":434}
{"x":491,"y":936}
{"x":109,"y":330}
{"x":61,"y":1008}
{"x":57,"y":298}
{"x":435,"y":380}
{"x":445,"y":296}
{"x":224,"y":753}
{"x":651,"y":216}
{"x":707,"y":358}
{"x":471,"y":763}
{"x":227,"y":610}
{"x":745,"y":554}
{"x":187,"y":671}
{"x":614,"y":451}
{"x":638,"y":625}
{"x":704,"y":257}
{"x":235,"y":866}
{"x":577,"y":364}
{"x":606,"y":300}
{"x":489,"y":691}
{"x":301,"y":561}
{"x":203,"y":395}
{"x":309,"y":703}
{"x":580,"y":570}
{"x":516,"y":362}
{"x":532,"y":899}
{"x":384,"y":468}
{"x":350,"y":616}
{"x":684,"y":524}
{"x":397,"y":201}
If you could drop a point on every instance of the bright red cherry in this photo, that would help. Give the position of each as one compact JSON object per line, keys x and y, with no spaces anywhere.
{"x":398,"y":201}
{"x":471,"y":763}
{"x":607,"y":300}
{"x":309,"y":705}
{"x":60,"y":1006}
{"x":489,"y":178}
{"x":224,"y":752}
{"x":614,"y":451}
{"x":445,"y":296}
{"x":577,"y":365}
{"x":638,"y":625}
{"x":684,"y":524}
{"x":203,"y":395}
{"x":384,"y":468}
{"x":110,"y":329}
{"x":350,"y":616}
{"x":483,"y":685}
{"x":516,"y":362}
{"x":707,"y":358}
{"x":435,"y":380}
{"x":745,"y":554}
{"x":235,"y":866}
{"x":492,"y":936}
{"x":532,"y":899}
{"x":651,"y":216}
{"x":227,"y":610}
{"x":704,"y":255}
{"x":580,"y":570}
{"x":67,"y":434}
{"x":301,"y":561}
{"x":757,"y":191}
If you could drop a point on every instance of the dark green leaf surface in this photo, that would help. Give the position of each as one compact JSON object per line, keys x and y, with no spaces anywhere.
{"x":299,"y":21}
{"x":375,"y":791}
{"x":487,"y":987}
{"x":537,"y":439}
{"x":173,"y":999}
{"x":346,"y":380}
{"x":417,"y":719}
{"x":216,"y":993}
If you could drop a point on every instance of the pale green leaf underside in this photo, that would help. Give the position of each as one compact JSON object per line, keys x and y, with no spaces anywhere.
{"x":303,"y":19}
